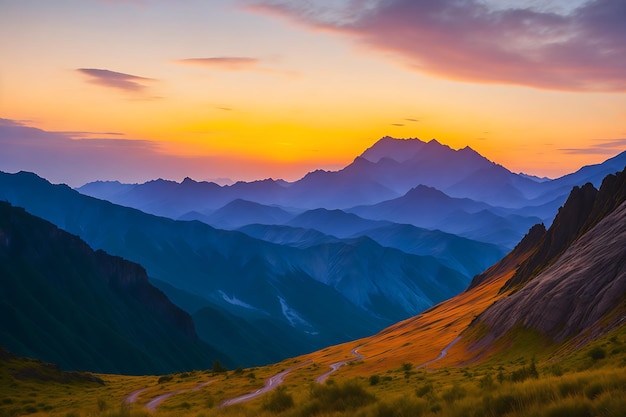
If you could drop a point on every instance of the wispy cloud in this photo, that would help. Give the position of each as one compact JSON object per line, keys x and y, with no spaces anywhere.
{"x":232,"y":64}
{"x":117,"y":80}
{"x":582,"y":49}
{"x":223,"y":63}
{"x":603,"y":147}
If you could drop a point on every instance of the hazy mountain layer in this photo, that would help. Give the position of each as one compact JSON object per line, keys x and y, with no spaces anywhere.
{"x":323,"y":294}
{"x":61,"y":301}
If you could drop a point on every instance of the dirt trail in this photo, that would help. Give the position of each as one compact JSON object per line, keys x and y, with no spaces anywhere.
{"x":156,"y":401}
{"x":270,"y":384}
{"x":132,"y":397}
{"x":443,"y":353}
{"x":334,"y":367}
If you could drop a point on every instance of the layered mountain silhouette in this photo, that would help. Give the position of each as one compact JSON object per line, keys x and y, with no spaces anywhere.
{"x":337,"y":256}
{"x":426,"y":184}
{"x":275,"y":289}
{"x":61,"y":301}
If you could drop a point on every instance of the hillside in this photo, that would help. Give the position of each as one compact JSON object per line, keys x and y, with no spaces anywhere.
{"x":62,"y":302}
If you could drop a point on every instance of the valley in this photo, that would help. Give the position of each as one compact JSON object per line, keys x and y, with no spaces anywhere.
{"x":334,"y":313}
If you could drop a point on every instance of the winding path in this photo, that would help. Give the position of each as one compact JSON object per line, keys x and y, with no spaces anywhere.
{"x":156,"y":401}
{"x":334,"y":367}
{"x":443,"y":353}
{"x":270,"y":384}
{"x":133,"y":396}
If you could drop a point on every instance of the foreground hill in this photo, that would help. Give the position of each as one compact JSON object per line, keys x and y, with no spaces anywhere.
{"x":577,"y":271}
{"x":60,"y":301}
{"x":281,"y":300}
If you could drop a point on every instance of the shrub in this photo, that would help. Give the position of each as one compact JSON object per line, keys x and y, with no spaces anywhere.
{"x":423,"y":390}
{"x":525,"y":372}
{"x":453,"y":394}
{"x":331,"y":398}
{"x":502,"y":404}
{"x":594,"y":390}
{"x":374,"y":380}
{"x":218,"y":367}
{"x":278,"y":401}
{"x":597,"y":353}
{"x":570,"y":409}
{"x":401,"y":407}
{"x":486,"y":382}
{"x":570,"y":388}
{"x":165,"y":378}
{"x":102,"y":404}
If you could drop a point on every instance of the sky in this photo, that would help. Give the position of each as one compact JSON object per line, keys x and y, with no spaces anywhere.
{"x":133,"y":90}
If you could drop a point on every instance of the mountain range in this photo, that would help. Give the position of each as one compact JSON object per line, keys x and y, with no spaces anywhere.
{"x":275,"y":289}
{"x":426,"y":184}
{"x":338,"y":256}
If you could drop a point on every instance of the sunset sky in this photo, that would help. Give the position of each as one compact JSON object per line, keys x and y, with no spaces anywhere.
{"x":133,"y":90}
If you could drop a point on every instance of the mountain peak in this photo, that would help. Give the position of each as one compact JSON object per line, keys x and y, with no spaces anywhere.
{"x":399,"y":150}
{"x":188,"y":181}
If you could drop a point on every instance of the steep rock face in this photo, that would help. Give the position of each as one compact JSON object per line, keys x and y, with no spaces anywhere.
{"x":126,"y":277}
{"x":63,"y":302}
{"x":511,"y":261}
{"x":580,"y":289}
{"x":584,"y":208}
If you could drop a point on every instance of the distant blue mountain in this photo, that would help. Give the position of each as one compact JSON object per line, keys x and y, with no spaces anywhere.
{"x":240,"y":212}
{"x":427,"y":207}
{"x":335,"y":222}
{"x":387,"y":170}
{"x":315,"y":296}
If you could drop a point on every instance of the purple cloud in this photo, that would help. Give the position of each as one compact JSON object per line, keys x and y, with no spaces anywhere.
{"x":116,"y":80}
{"x":581,"y":50}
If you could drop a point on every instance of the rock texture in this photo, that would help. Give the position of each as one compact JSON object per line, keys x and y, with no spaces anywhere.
{"x":581,"y":288}
{"x":584,"y":208}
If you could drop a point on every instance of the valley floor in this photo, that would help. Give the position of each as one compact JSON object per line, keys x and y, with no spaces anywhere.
{"x":588,"y":382}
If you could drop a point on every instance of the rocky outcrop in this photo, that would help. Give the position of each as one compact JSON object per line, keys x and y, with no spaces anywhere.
{"x":580,"y":289}
{"x":564,"y":230}
{"x":574,"y":287}
{"x":519,"y":254}
{"x":129,"y":278}
{"x":584,"y":208}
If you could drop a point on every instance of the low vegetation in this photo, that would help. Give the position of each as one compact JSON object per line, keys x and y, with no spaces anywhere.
{"x":587,"y":382}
